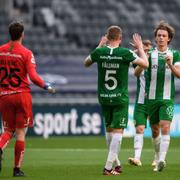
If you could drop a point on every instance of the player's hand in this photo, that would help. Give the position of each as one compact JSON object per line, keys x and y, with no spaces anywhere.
{"x":169,"y":59}
{"x":49,"y":87}
{"x":135,"y":48}
{"x":137,"y":41}
{"x":103,"y":41}
{"x":133,"y":45}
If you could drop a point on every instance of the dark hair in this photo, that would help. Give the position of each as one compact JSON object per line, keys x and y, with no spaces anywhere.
{"x":165,"y":26}
{"x":16,"y":29}
{"x":114,"y":33}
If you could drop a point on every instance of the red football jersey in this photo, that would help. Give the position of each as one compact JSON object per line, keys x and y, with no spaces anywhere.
{"x":16,"y":64}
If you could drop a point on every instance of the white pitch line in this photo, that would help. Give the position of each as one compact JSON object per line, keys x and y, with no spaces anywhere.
{"x":89,"y":150}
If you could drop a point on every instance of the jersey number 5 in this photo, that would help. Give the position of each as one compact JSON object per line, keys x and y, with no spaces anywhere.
{"x":109,"y":77}
{"x":12,"y":75}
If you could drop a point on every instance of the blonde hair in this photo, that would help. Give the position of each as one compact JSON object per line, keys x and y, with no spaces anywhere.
{"x":147,"y":42}
{"x":114,"y":33}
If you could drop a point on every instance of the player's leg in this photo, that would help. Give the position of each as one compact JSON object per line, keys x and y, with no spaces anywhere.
{"x":4,"y":141}
{"x":138,"y":141}
{"x":138,"y":145}
{"x":108,"y":142}
{"x":19,"y":151}
{"x":165,"y":139}
{"x":140,"y":119}
{"x":106,"y":112}
{"x":108,"y":136}
{"x":164,"y":144}
{"x":156,"y":143}
{"x":107,"y":116}
{"x":166,"y":115}
{"x":8,"y":113}
{"x":155,"y":128}
{"x":119,"y":122}
{"x":114,"y":149}
{"x":23,"y":120}
{"x":5,"y":138}
{"x":153,"y":110}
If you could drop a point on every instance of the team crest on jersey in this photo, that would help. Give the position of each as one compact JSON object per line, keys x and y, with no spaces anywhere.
{"x":170,"y":111}
{"x":122,"y":121}
{"x":33,"y":59}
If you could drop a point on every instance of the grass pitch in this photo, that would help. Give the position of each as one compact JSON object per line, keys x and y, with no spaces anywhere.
{"x":83,"y":158}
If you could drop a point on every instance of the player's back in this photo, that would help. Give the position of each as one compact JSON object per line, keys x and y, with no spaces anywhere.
{"x":113,"y":64}
{"x":14,"y":62}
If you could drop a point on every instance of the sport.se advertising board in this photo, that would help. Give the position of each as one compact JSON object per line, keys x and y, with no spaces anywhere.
{"x":83,"y":120}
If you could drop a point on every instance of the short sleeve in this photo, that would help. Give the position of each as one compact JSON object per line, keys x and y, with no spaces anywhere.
{"x":94,"y":55}
{"x":31,"y":63}
{"x":176,"y":58}
{"x":130,"y":56}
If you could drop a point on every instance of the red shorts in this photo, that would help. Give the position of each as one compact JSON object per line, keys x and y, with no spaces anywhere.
{"x":16,"y":111}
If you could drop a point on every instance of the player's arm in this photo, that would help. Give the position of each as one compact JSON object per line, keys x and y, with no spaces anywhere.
{"x":175,"y":68}
{"x":35,"y":78}
{"x":142,"y":60}
{"x":88,"y":61}
{"x":103,"y":41}
{"x":138,"y":70}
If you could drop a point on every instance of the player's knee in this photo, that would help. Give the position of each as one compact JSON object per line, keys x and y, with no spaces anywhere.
{"x":20,"y":134}
{"x":165,"y":130}
{"x":165,"y":127}
{"x":140,"y":130}
{"x":155,"y":132}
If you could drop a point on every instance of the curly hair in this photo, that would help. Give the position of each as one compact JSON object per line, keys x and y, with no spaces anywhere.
{"x":165,"y":26}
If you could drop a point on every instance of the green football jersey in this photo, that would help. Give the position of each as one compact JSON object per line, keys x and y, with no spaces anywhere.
{"x":141,"y":88}
{"x":113,"y":65}
{"x":160,"y":78}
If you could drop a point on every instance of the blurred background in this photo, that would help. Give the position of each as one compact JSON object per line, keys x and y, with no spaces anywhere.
{"x":61,"y":33}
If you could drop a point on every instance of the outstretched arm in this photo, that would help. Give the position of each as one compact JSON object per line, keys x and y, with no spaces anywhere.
{"x":36,"y":79}
{"x":88,"y":62}
{"x":143,"y":60}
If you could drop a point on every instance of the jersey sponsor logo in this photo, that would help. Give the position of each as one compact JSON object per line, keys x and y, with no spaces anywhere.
{"x":33,"y":59}
{"x":111,"y":57}
{"x":159,"y":67}
{"x":170,"y":111}
{"x":11,"y":55}
{"x":110,"y":95}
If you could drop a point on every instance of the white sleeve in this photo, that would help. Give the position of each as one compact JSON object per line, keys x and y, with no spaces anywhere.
{"x":177,"y":64}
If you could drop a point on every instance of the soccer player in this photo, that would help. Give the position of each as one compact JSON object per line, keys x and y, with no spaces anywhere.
{"x":140,"y":109}
{"x":164,"y":66}
{"x":17,"y":63}
{"x":113,"y":64}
